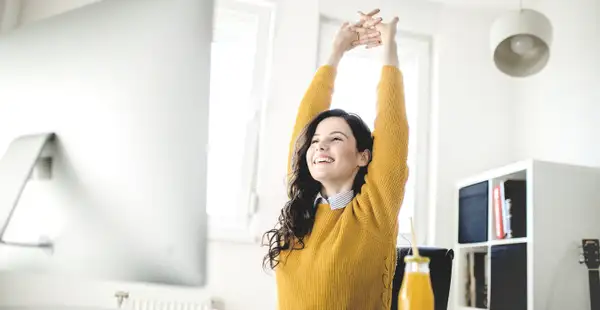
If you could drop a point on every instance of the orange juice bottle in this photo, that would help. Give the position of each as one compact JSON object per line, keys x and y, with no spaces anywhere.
{"x":416,"y":292}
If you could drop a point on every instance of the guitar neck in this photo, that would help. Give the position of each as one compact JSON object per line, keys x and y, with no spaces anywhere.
{"x":594,"y":275}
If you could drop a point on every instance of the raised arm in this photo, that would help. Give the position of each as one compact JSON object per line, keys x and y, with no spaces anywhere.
{"x":318,"y":96}
{"x":383,"y":193}
{"x":316,"y":100}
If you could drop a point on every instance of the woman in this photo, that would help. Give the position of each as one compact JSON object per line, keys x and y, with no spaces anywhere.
{"x":335,"y":244}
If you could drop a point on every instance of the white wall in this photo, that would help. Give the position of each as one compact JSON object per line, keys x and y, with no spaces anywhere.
{"x":559,"y":109}
{"x":473,"y":110}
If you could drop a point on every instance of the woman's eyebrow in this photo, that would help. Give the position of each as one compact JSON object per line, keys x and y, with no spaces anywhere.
{"x":334,"y":132}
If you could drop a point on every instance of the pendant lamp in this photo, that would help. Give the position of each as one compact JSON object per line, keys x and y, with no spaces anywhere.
{"x":520,"y":42}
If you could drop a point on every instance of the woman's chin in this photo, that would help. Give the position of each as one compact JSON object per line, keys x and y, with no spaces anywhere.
{"x":321,"y":176}
{"x":325,"y":173}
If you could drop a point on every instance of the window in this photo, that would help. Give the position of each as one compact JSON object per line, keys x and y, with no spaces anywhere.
{"x":355,"y":92}
{"x":241,"y":40}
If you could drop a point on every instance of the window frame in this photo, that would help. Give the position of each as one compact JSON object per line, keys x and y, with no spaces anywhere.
{"x":420,"y":48}
{"x":237,"y":227}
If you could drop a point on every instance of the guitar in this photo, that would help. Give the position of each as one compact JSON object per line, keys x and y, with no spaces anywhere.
{"x":591,"y":258}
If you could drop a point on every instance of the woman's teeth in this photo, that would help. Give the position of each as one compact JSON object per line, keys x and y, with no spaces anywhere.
{"x":323,"y":160}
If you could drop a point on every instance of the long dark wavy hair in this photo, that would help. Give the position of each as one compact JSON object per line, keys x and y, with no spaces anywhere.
{"x":298,"y":215}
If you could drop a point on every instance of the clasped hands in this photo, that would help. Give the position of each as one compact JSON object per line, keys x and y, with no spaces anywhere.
{"x":369,"y":31}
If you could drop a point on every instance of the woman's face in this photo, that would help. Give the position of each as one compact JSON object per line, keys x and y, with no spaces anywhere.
{"x":332,"y":157}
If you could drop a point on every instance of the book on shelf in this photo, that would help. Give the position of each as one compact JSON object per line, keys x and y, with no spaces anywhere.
{"x":509,"y":204}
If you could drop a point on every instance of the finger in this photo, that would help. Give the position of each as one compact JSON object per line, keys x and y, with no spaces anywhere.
{"x":369,"y":34}
{"x":368,"y":18}
{"x":395,"y":20}
{"x":372,"y":45}
{"x":357,"y":29}
{"x":363,"y":30}
{"x":358,"y":24}
{"x":364,"y":17}
{"x":361,"y":22}
{"x":374,"y":34}
{"x":366,"y":41}
{"x":344,"y":25}
{"x":370,"y":23}
{"x":370,"y":14}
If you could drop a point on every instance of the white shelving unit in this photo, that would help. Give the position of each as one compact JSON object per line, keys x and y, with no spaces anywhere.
{"x":562,"y":207}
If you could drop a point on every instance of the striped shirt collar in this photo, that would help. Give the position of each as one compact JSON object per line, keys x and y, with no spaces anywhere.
{"x":338,"y":201}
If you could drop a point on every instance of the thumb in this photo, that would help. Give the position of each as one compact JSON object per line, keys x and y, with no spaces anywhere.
{"x":395,"y":20}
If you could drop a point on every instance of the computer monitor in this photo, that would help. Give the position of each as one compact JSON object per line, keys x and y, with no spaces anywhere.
{"x":122,"y":86}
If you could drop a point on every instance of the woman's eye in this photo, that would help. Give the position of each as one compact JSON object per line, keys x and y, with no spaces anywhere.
{"x":314,"y":141}
{"x":337,"y":139}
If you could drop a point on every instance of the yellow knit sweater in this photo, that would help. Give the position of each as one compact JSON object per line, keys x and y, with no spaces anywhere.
{"x":349,"y":258}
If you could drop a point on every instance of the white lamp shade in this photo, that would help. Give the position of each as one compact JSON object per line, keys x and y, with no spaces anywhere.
{"x":520,"y":42}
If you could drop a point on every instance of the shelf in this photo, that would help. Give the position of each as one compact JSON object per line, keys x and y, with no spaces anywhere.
{"x":507,"y":170}
{"x":487,"y":206}
{"x":477,"y":245}
{"x":474,"y":275}
{"x":508,"y":241}
{"x":481,"y":200}
{"x":508,"y":201}
{"x":473,"y":245}
{"x":520,"y":269}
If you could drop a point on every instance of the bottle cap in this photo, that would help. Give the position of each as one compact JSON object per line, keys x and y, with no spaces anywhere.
{"x":416,"y":259}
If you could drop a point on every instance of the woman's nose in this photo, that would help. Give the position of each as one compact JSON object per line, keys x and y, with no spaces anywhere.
{"x":321,"y":146}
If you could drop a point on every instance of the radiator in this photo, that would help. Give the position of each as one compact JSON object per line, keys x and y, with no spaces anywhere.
{"x":164,"y":305}
{"x":127,"y":302}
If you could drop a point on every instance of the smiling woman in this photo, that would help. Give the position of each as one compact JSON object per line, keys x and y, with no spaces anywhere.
{"x":339,"y":151}
{"x":335,"y":246}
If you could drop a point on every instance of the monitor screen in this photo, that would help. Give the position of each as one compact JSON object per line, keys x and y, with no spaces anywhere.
{"x":123,"y":86}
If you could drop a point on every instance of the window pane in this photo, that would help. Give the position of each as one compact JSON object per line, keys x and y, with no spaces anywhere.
{"x":355,"y":87}
{"x":232,"y":69}
{"x":356,"y":92}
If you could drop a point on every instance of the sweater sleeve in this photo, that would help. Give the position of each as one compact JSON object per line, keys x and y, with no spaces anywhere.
{"x":316,"y":100}
{"x":383,"y":192}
